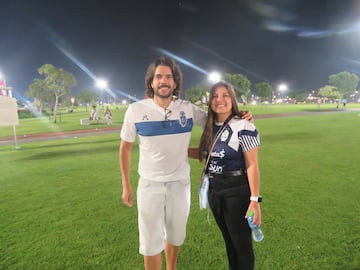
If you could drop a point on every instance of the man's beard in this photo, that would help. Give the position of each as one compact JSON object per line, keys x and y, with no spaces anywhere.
{"x":157,"y":93}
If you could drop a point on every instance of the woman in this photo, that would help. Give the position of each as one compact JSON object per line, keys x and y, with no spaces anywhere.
{"x":233,"y":170}
{"x":108,"y":116}
{"x":94,"y":113}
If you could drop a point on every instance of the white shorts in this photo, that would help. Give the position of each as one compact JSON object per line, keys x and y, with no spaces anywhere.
{"x":163,"y":211}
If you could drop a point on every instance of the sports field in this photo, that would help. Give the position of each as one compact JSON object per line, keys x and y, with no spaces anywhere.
{"x":60,"y":200}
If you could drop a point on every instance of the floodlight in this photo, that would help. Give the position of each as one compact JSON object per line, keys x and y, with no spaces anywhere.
{"x":214,"y":77}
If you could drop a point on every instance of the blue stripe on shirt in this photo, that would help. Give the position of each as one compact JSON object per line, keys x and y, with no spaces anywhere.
{"x":166,"y":127}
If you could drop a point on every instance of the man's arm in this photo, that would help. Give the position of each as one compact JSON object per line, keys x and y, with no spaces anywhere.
{"x":125,"y":162}
{"x":193,"y":152}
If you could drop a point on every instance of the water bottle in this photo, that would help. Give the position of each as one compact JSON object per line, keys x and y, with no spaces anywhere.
{"x":256,"y":232}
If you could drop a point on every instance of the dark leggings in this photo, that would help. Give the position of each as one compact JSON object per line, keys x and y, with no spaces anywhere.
{"x":229,"y":201}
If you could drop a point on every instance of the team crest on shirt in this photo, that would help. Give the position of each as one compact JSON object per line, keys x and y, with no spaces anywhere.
{"x":224,"y":135}
{"x":182,"y":119}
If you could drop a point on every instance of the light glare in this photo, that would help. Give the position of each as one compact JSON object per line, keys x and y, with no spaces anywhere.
{"x":101,"y":83}
{"x":214,"y":77}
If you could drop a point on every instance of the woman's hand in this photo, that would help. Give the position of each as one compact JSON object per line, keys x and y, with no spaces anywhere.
{"x":255,"y":208}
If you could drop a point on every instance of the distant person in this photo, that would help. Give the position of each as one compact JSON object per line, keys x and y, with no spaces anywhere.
{"x":108,"y":116}
{"x":344,"y":102}
{"x":94,"y":114}
{"x":337,"y":103}
{"x":231,"y":146}
{"x":162,"y":124}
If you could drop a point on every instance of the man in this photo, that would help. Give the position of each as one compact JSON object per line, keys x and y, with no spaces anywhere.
{"x":162,"y":123}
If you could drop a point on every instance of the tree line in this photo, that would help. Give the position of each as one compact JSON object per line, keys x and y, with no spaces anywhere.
{"x":341,"y":85}
{"x":57,"y":84}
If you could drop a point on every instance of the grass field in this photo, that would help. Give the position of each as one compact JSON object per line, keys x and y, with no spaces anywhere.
{"x":60,"y":200}
{"x":71,"y":121}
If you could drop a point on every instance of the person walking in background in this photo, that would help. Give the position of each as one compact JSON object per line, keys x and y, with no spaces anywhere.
{"x":107,"y":116}
{"x":94,"y":114}
{"x":318,"y":103}
{"x":231,"y":144}
{"x":344,"y":102}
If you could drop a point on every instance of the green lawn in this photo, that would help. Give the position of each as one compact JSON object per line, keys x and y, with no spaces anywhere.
{"x":60,"y":201}
{"x":71,"y":121}
{"x":65,"y":122}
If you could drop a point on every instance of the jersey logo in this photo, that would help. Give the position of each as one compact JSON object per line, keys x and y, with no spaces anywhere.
{"x":220,"y":154}
{"x":215,"y":169}
{"x":182,"y":119}
{"x":224,"y":135}
{"x":145,"y":117}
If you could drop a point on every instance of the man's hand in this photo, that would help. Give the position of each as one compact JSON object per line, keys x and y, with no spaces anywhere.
{"x":247,"y":115}
{"x":127,"y":197}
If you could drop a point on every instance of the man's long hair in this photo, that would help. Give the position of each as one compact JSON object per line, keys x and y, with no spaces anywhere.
{"x":176,"y":72}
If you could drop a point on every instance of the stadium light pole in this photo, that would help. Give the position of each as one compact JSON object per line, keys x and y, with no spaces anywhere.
{"x":102,"y":84}
{"x":4,"y":90}
{"x":213,"y":77}
{"x":282,"y":88}
{"x":1,"y":76}
{"x":72,"y":100}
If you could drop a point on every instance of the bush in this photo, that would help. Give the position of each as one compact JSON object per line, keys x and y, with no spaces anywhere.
{"x":25,"y":114}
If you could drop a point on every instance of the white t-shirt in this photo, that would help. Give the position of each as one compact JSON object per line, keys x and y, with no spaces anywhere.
{"x":164,"y":136}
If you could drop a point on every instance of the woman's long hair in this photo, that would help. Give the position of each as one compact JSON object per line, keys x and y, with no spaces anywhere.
{"x":176,"y":72}
{"x":207,"y":135}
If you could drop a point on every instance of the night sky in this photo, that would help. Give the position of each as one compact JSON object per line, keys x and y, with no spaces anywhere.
{"x":299,"y":43}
